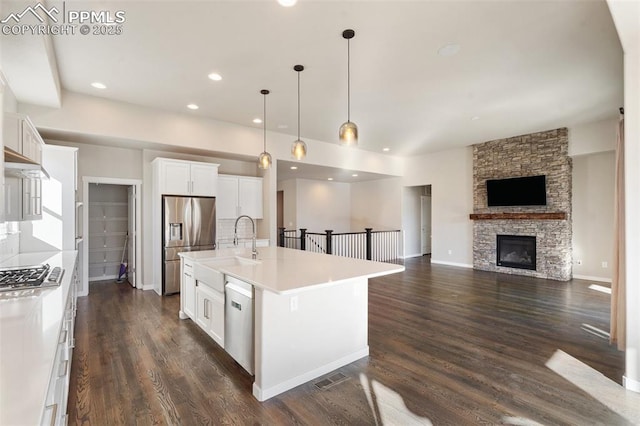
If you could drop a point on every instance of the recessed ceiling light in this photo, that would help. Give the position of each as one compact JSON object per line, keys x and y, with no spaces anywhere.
{"x":329,"y":178}
{"x":385,"y":149}
{"x":294,"y":168}
{"x":193,"y":106}
{"x":215,"y":76}
{"x":257,"y":120}
{"x":282,"y":126}
{"x":287,"y":3}
{"x":354,"y":175}
{"x":449,"y":49}
{"x":474,"y":118}
{"x":98,"y":85}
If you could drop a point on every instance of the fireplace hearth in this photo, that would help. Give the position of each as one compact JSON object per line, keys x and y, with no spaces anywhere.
{"x":516,"y":251}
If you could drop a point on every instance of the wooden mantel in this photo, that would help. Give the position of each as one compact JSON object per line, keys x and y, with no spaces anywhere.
{"x":519,"y":216}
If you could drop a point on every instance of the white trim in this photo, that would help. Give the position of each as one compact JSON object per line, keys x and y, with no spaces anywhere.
{"x":264,"y":394}
{"x":86,"y":180}
{"x":591,"y":278}
{"x":630,"y":384}
{"x":411,"y":255}
{"x":443,"y":262}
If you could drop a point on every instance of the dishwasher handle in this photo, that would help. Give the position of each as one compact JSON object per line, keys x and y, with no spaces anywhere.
{"x":237,"y":289}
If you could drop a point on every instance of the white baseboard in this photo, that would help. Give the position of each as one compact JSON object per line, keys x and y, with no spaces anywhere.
{"x":632,"y":385}
{"x":264,"y":394}
{"x":591,"y":278}
{"x":443,"y":262}
{"x":408,"y":256}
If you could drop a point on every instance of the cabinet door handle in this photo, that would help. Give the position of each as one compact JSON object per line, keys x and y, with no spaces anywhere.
{"x":54,"y":412}
{"x":63,"y":339}
{"x":189,"y":275}
{"x":64,"y":371}
{"x":206,"y":308}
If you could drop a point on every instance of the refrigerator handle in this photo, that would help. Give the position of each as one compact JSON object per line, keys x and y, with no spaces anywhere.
{"x":188,"y":222}
{"x":197,"y":221}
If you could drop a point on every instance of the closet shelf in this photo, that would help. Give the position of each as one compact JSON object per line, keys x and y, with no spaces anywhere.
{"x":108,"y":203}
{"x":108,"y":234}
{"x":104,"y":264}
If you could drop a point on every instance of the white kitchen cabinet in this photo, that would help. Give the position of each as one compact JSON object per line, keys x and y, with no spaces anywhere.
{"x":178,"y":177}
{"x":23,"y":198}
{"x":188,"y":290}
{"x":21,"y":136}
{"x":238,"y":195}
{"x":55,"y":411}
{"x":210,"y":311}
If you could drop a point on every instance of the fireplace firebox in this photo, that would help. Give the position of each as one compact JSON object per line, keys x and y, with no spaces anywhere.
{"x":516,"y":251}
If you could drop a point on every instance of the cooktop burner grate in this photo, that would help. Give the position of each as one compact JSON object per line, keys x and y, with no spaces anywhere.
{"x":23,"y":277}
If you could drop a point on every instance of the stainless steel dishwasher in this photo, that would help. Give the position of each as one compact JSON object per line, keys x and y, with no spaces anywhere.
{"x":238,"y":324}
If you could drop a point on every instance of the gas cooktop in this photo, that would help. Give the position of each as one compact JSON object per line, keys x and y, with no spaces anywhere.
{"x":29,"y":277}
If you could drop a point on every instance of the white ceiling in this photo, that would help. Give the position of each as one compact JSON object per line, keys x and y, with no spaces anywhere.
{"x":523,"y":66}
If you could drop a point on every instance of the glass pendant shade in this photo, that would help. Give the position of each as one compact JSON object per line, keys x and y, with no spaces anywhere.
{"x":299,"y":149}
{"x":348,"y":134}
{"x":264,"y":161}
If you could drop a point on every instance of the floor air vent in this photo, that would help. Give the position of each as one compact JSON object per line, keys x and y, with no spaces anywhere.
{"x":331,"y":381}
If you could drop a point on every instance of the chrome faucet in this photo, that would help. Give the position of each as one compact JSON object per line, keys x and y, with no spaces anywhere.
{"x":254,"y":252}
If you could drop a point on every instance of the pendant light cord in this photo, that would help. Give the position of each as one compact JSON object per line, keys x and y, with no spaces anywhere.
{"x":264,"y":118}
{"x":298,"y":105}
{"x":348,"y":80}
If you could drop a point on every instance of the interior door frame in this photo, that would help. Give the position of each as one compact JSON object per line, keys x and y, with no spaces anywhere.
{"x":133,"y":279}
{"x":86,"y":180}
{"x":424,"y":237}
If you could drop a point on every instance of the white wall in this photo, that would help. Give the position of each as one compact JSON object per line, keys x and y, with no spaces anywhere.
{"x":590,"y":138}
{"x":411,"y":209}
{"x":376,"y":204}
{"x":592,"y":214}
{"x":105,"y":161}
{"x":450,"y":174}
{"x":290,"y":218}
{"x":322,"y":205}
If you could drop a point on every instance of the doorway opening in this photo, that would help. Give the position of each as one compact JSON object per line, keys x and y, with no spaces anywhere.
{"x":425,"y":220}
{"x":111,"y":223}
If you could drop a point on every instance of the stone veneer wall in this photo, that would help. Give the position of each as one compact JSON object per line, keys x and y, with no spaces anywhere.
{"x":543,"y":153}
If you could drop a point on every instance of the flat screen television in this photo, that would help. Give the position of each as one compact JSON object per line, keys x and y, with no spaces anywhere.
{"x":519,"y":191}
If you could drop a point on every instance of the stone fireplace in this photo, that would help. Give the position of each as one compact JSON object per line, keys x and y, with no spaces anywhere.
{"x":543,"y":153}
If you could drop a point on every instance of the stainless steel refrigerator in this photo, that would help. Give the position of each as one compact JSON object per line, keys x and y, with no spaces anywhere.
{"x":189,"y":225}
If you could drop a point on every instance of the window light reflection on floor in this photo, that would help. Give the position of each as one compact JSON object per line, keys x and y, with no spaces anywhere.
{"x":387,"y":406}
{"x":623,"y":402}
{"x":600,"y":288}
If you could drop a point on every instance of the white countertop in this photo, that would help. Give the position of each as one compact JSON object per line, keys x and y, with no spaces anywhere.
{"x":282,"y":270}
{"x":29,"y":332}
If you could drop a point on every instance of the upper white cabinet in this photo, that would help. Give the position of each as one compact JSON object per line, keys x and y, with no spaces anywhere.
{"x":21,"y":136}
{"x":238,"y":195}
{"x":22,"y":199}
{"x":177,"y":177}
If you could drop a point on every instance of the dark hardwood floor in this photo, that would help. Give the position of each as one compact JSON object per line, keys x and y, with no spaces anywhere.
{"x":447,"y":346}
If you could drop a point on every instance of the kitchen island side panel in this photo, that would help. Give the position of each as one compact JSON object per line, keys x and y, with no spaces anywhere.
{"x":302,"y":336}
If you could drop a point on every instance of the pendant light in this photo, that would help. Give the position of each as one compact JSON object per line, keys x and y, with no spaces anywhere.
{"x":348,"y":131}
{"x":299,"y":148}
{"x":264,"y":161}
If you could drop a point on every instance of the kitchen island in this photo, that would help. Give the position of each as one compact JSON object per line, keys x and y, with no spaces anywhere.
{"x":310,"y":310}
